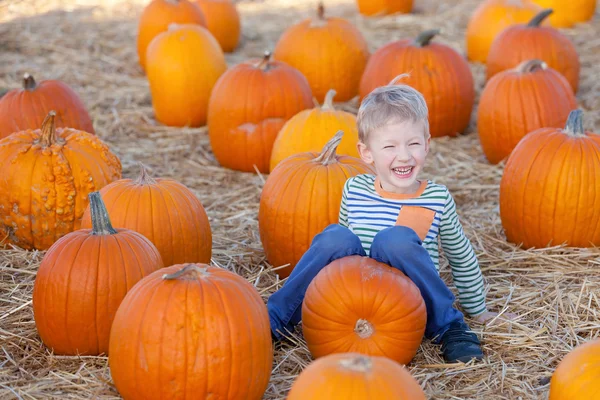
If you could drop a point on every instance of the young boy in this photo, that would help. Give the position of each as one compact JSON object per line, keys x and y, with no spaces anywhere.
{"x":397,"y":219}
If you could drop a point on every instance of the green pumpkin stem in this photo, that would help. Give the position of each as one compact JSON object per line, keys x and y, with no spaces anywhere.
{"x":328,"y":102}
{"x":358,"y":363}
{"x":574,"y":125}
{"x":425,"y":37}
{"x":188,"y":269}
{"x":48,"y":136}
{"x":531,"y":66}
{"x":28,"y":82}
{"x":100,"y":222}
{"x":144,"y":177}
{"x":539,"y":18}
{"x":328,"y":155}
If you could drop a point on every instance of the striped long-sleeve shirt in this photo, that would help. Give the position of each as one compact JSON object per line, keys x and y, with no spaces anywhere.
{"x":366,"y":209}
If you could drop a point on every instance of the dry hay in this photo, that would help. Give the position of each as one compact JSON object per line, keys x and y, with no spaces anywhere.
{"x":91,"y":45}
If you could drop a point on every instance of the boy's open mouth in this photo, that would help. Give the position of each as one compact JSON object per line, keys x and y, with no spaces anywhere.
{"x":403,"y":171}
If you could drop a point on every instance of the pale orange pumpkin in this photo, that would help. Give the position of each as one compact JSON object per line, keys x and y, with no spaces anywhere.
{"x":576,"y":376}
{"x":569,"y":12}
{"x":223,"y":21}
{"x":384,"y":7}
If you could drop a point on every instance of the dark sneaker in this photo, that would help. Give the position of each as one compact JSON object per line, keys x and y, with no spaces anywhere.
{"x":460,"y":345}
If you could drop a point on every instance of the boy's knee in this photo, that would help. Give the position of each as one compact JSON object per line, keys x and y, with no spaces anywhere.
{"x":336,"y":237}
{"x":396,"y":237}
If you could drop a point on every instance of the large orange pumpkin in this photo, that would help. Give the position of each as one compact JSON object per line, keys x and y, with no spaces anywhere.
{"x":353,"y":376}
{"x":549,"y":191}
{"x":183,"y":65}
{"x":569,"y":12}
{"x":300,"y":198}
{"x":158,"y":15}
{"x":163,"y":210}
{"x":223,"y":21}
{"x":490,"y":18}
{"x":520,"y":42}
{"x":26,"y":108}
{"x":310,"y":130}
{"x":191,"y":332}
{"x":330,"y":51}
{"x":83,"y":278}
{"x":45,"y":178}
{"x":384,"y":7}
{"x":576,"y":377}
{"x":437,"y":71}
{"x":380,"y":312}
{"x":242,"y":129}
{"x":518,"y":101}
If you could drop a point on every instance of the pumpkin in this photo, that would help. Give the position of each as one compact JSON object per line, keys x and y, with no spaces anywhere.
{"x":191,"y":332}
{"x":384,"y":7}
{"x":158,"y":15}
{"x":490,"y":18}
{"x":223,"y":21}
{"x":520,"y":42}
{"x":242,"y":129}
{"x":379,"y":312}
{"x":518,"y":101}
{"x":83,"y":278}
{"x":300,"y":198}
{"x":330,"y":51}
{"x":309,"y":130}
{"x":549,"y":193}
{"x":45,"y":178}
{"x":353,"y":376}
{"x":183,"y":65}
{"x":163,"y":210}
{"x":576,"y":376}
{"x":437,"y":71}
{"x":26,"y":108}
{"x":568,"y":13}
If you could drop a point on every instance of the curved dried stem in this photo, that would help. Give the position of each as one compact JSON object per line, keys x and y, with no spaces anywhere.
{"x":28,"y":82}
{"x":425,"y":37}
{"x":100,"y":221}
{"x":574,"y":125}
{"x":144,"y":177}
{"x":531,"y":66}
{"x":539,"y":18}
{"x":48,"y":137}
{"x":188,"y":269}
{"x":397,"y":78}
{"x":264,"y":63}
{"x":328,"y":102}
{"x":327,"y":155}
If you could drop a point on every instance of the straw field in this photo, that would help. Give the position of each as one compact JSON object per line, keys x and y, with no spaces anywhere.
{"x":91,"y":45}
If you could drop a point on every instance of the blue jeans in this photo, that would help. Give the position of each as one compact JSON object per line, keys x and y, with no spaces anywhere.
{"x":397,"y":246}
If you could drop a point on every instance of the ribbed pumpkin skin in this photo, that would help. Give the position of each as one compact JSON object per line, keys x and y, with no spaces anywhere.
{"x":374,"y":295}
{"x":351,"y":376}
{"x":249,"y":104}
{"x":384,"y":7}
{"x":490,"y":18}
{"x":568,"y":13}
{"x":180,"y":85}
{"x":514,"y":103}
{"x":223,"y":21}
{"x":158,"y":15}
{"x":437,"y":71}
{"x":195,"y":337}
{"x":576,"y":377}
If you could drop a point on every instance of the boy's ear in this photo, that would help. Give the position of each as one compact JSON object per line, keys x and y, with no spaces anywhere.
{"x":428,"y":141}
{"x":364,"y":152}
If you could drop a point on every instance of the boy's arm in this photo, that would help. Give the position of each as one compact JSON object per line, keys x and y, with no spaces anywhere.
{"x":463,"y":262}
{"x":343,"y":217}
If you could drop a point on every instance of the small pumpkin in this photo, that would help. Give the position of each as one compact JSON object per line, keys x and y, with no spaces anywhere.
{"x":330,"y":51}
{"x":242,"y":129}
{"x":158,"y":15}
{"x":191,"y":332}
{"x":549,"y":191}
{"x":309,"y":130}
{"x":518,"y":101}
{"x":384,"y":7}
{"x":26,"y":108}
{"x":163,"y":210}
{"x":380,"y":312}
{"x":576,"y":376}
{"x":490,"y":18}
{"x":437,"y":71}
{"x":83,"y":278}
{"x":223,"y":21}
{"x":181,"y":84}
{"x":520,"y":42}
{"x":45,"y":178}
{"x":288,"y":217}
{"x":569,"y":12}
{"x":353,"y":376}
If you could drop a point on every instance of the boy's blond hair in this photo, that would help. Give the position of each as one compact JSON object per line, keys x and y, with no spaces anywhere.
{"x":390,"y":103}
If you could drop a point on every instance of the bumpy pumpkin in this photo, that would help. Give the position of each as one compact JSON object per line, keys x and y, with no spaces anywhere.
{"x":163,"y":210}
{"x":490,"y":18}
{"x":300,"y":198}
{"x":549,"y":193}
{"x":191,"y":332}
{"x":576,"y":377}
{"x":520,"y":42}
{"x":380,"y":312}
{"x":569,"y":12}
{"x":310,"y":130}
{"x":518,"y":101}
{"x":436,"y":70}
{"x":158,"y":15}
{"x":329,"y":51}
{"x":45,"y":178}
{"x":26,"y":108}
{"x":223,"y":21}
{"x":384,"y":7}
{"x":242,"y":129}
{"x":353,"y":376}
{"x":183,"y":65}
{"x":83,"y":278}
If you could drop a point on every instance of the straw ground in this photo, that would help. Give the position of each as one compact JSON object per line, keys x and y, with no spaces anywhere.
{"x":91,"y":45}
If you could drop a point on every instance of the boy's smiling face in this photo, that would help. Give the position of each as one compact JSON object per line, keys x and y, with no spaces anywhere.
{"x":398,"y":151}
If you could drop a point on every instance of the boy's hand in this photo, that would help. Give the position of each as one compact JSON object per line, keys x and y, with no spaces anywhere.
{"x":489,"y":315}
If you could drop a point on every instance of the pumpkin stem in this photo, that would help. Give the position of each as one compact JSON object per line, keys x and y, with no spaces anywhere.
{"x":28,"y":82}
{"x":264,"y":63}
{"x":531,"y":66}
{"x":321,"y":10}
{"x":401,"y":76}
{"x":328,"y":155}
{"x":100,"y":222}
{"x":189,"y":268}
{"x":425,"y":37}
{"x":48,"y":136}
{"x":363,"y":329}
{"x":574,"y":125}
{"x":144,"y":178}
{"x":358,"y":363}
{"x":539,"y":18}
{"x":328,"y":102}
